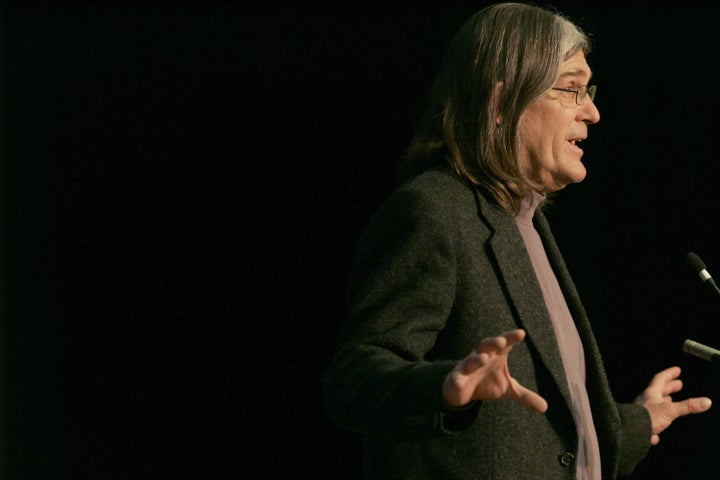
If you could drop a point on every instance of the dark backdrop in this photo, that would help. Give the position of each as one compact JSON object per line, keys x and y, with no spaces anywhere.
{"x":183,"y":183}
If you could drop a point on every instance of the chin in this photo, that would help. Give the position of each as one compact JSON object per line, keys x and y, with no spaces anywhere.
{"x":576,"y":176}
{"x":559,"y":184}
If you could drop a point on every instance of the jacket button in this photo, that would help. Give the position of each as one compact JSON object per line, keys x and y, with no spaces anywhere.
{"x":566,"y":459}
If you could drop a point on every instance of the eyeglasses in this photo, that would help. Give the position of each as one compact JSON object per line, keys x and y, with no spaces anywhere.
{"x":580,"y":92}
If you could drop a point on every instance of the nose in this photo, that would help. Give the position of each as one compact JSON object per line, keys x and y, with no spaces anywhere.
{"x":588,"y":112}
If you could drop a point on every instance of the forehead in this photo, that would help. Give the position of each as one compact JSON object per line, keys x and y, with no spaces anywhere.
{"x":575,"y":67}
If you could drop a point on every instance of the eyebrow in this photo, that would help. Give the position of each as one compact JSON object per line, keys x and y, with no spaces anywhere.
{"x":576,"y":73}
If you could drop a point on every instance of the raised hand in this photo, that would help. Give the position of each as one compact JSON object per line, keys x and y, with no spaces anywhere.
{"x":657,"y":399}
{"x":484,"y":375}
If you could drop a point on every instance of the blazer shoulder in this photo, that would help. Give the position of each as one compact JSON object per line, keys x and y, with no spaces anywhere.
{"x":439,"y":192}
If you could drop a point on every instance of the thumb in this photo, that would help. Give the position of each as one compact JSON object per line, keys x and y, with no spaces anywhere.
{"x":694,"y":405}
{"x":527,"y":398}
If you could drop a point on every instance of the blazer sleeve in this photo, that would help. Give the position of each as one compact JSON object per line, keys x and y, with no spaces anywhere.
{"x":401,"y":292}
{"x":636,"y":430}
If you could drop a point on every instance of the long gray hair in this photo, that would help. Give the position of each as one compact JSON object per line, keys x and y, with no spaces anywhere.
{"x":500,"y":61}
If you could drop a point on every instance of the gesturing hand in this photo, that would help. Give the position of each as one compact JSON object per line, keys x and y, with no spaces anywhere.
{"x":656,"y":398}
{"x":484,"y":375}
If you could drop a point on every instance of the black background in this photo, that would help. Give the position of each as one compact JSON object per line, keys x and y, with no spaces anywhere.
{"x":183,"y":183}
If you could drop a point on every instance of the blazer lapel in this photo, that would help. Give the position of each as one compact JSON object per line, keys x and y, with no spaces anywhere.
{"x":603,"y":404}
{"x":593,"y":359}
{"x":518,"y":276}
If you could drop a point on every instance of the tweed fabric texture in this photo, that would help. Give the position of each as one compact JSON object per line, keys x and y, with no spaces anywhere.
{"x":437,"y":269}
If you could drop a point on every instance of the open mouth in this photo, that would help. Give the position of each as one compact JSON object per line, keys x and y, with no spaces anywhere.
{"x":575,"y":144}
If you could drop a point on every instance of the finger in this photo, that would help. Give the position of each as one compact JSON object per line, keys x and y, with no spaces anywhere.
{"x":472,"y":362}
{"x":671,"y":411}
{"x":662,"y":384}
{"x":527,"y":398}
{"x":514,"y":336}
{"x":672,"y":386}
{"x":501,"y":343}
{"x":491,"y":345}
{"x":665,"y":376}
{"x":692,"y":405}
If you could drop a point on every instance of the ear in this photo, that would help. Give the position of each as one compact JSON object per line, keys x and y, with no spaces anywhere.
{"x":495,"y":100}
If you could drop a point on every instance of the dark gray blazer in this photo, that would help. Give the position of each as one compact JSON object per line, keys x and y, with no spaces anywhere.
{"x":438,"y":269}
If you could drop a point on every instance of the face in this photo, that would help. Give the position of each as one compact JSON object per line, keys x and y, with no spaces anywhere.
{"x":552,"y":127}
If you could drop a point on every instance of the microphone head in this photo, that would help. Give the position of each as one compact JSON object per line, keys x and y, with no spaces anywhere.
{"x":694,"y":262}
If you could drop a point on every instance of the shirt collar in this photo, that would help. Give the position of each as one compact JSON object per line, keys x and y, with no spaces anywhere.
{"x":528,"y":207}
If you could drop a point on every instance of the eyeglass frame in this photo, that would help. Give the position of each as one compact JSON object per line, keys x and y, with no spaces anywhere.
{"x":580,"y":92}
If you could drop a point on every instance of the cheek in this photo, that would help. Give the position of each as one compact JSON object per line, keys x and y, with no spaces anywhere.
{"x":530,"y":139}
{"x":538,"y":147}
{"x":535,"y":136}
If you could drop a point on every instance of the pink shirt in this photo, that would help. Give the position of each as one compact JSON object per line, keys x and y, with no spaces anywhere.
{"x":571,"y":349}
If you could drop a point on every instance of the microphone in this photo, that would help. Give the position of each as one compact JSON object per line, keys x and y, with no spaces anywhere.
{"x":698,"y":267}
{"x":703,"y":351}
